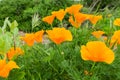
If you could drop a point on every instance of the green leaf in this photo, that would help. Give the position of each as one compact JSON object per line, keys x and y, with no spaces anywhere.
{"x":6,"y":22}
{"x":13,"y":28}
{"x":13,"y":25}
{"x":15,"y":31}
{"x":5,"y":43}
{"x":2,"y":46}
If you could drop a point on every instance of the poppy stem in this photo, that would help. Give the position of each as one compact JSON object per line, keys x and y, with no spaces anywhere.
{"x":5,"y":56}
{"x":62,"y":24}
{"x":93,"y":65}
{"x":58,"y":48}
{"x":75,"y":31}
{"x":93,"y":26}
{"x":87,"y":25}
{"x":6,"y":79}
{"x":14,"y":42}
{"x":0,"y":57}
{"x":53,"y":67}
{"x":51,"y":26}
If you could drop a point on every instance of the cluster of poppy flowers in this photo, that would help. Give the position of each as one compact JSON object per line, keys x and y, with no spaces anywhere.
{"x":7,"y":63}
{"x":31,"y":38}
{"x":57,"y":35}
{"x":76,"y":18}
{"x":96,"y":51}
{"x":115,"y":37}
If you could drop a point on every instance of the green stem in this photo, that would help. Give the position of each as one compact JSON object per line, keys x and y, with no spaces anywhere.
{"x":59,"y":52}
{"x":39,"y":75}
{"x":87,"y":25}
{"x":1,"y":57}
{"x":51,"y":26}
{"x":6,"y":79}
{"x":53,"y":67}
{"x":41,"y":50}
{"x":92,"y":67}
{"x":93,"y":26}
{"x":32,"y":29}
{"x":58,"y":48}
{"x":61,"y":24}
{"x":75,"y":31}
{"x":14,"y":42}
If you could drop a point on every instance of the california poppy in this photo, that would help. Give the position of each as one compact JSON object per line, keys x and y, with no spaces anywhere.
{"x":29,"y":39}
{"x":117,"y":22}
{"x":115,"y":38}
{"x":14,"y":52}
{"x":39,"y":35}
{"x":58,"y":35}
{"x":97,"y":51}
{"x":79,"y":18}
{"x":5,"y":68}
{"x":59,"y":14}
{"x":94,"y":19}
{"x":74,"y":9}
{"x":98,"y":34}
{"x":74,"y":23}
{"x":49,"y":19}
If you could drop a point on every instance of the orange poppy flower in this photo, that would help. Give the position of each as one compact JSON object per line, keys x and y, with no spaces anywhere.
{"x":75,"y":24}
{"x":94,"y":19}
{"x":74,"y":9}
{"x":115,"y":38}
{"x":29,"y":39}
{"x":49,"y":19}
{"x":117,"y":22}
{"x":39,"y":35}
{"x":14,"y":52}
{"x":58,"y":35}
{"x":79,"y":19}
{"x":59,"y":14}
{"x":98,"y":34}
{"x":97,"y":51}
{"x":5,"y":68}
